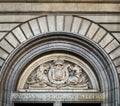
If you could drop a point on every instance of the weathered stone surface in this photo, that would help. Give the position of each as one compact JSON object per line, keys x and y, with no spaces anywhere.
{"x":84,"y":26}
{"x":117,"y":36}
{"x":93,"y":29}
{"x":43,"y":24}
{"x":118,"y":70}
{"x":2,"y":34}
{"x":1,"y":62}
{"x":76,"y":25}
{"x":13,"y":41}
{"x":68,"y":23}
{"x":26,"y":30}
{"x":111,"y":27}
{"x":59,"y":23}
{"x":58,"y":76}
{"x":3,"y":54}
{"x":59,"y":7}
{"x":108,"y":38}
{"x":57,"y":97}
{"x":117,"y":61}
{"x":24,"y":17}
{"x":62,"y":1}
{"x":4,"y":44}
{"x":19,"y":34}
{"x":114,"y":44}
{"x":107,"y":42}
{"x":101,"y":33}
{"x":58,"y":71}
{"x":103,"y":12}
{"x":16,"y":18}
{"x":7,"y":27}
{"x":115,"y":53}
{"x":34,"y":27}
{"x":51,"y":23}
{"x":102,"y":18}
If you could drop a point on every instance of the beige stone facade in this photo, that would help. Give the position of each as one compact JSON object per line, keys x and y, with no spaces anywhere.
{"x":85,"y":34}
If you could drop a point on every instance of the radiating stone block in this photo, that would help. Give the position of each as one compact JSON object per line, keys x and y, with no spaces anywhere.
{"x":2,"y":34}
{"x":108,"y":38}
{"x":68,"y":23}
{"x":27,"y":31}
{"x":117,"y":36}
{"x":76,"y":25}
{"x":13,"y":41}
{"x":111,"y":46}
{"x":99,"y":35}
{"x":51,"y":23}
{"x":118,"y":70}
{"x":117,"y":61}
{"x":115,"y":53}
{"x":84,"y":26}
{"x":34,"y":27}
{"x":1,"y":62}
{"x":59,"y":23}
{"x":3,"y":54}
{"x":43,"y":24}
{"x":93,"y":29}
{"x":6,"y":46}
{"x":19,"y":34}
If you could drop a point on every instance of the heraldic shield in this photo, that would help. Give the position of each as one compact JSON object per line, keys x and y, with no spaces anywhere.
{"x":58,"y":73}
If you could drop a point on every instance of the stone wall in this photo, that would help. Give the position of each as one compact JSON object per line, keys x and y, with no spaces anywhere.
{"x":21,"y":21}
{"x":103,"y":12}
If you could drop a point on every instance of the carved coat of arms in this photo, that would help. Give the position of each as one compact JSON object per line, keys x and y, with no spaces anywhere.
{"x":58,"y":74}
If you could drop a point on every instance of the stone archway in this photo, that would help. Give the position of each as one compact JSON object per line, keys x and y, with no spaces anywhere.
{"x":65,"y":34}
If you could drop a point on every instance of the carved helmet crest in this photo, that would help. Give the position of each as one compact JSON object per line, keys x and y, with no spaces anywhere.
{"x":59,"y":61}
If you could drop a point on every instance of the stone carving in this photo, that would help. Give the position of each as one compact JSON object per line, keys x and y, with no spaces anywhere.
{"x":58,"y":74}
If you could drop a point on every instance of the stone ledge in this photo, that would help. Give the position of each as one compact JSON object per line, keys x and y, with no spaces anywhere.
{"x":28,"y":7}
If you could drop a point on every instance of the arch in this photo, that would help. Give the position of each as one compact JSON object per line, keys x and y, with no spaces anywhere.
{"x":80,"y":35}
{"x":59,"y":23}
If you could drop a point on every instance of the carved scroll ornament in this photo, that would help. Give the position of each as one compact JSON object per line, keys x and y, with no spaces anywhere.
{"x":58,"y":74}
